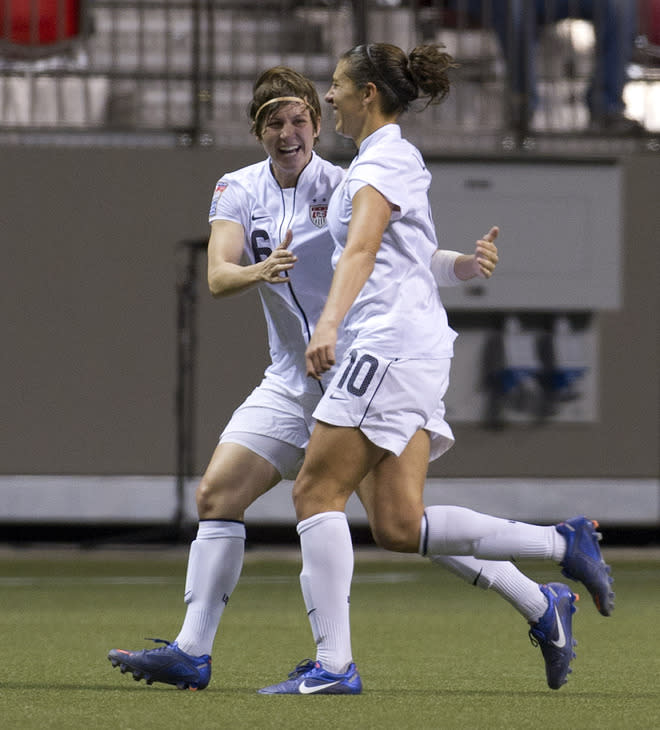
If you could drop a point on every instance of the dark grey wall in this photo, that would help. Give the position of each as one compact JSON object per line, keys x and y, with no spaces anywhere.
{"x":88,"y":359}
{"x":88,"y":287}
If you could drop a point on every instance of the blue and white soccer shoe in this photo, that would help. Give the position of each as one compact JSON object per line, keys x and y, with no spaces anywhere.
{"x":583,"y":561}
{"x":554,"y":633}
{"x":167,"y":664}
{"x":309,"y":678}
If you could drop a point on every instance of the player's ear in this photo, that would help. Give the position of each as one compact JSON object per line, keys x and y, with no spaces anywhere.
{"x":369,"y":93}
{"x":316,"y":121}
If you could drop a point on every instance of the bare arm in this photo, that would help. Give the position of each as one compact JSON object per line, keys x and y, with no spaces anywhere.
{"x":371,"y":214}
{"x":226,"y":275}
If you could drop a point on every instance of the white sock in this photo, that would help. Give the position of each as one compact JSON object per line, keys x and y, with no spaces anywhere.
{"x":214,"y":567}
{"x":503,"y":577}
{"x":325,"y":580}
{"x":461,"y":531}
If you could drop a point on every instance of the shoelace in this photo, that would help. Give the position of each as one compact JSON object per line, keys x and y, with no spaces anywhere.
{"x":304,"y":666}
{"x":534,"y":641}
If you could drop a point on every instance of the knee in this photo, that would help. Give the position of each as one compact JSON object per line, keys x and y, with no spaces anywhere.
{"x":298,"y":496}
{"x":306,"y":500}
{"x":205,"y":497}
{"x":219,"y":500}
{"x":312,"y":495}
{"x":399,"y":535}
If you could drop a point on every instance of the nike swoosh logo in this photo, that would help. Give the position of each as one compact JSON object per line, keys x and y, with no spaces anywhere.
{"x":258,"y":217}
{"x":335,"y":396}
{"x":309,"y":690}
{"x":560,"y":642}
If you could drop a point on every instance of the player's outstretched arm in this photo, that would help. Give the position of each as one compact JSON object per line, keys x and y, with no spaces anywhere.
{"x":226,"y":274}
{"x":450,"y":267}
{"x":482,"y":262}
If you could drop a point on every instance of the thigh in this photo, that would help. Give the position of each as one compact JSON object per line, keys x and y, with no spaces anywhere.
{"x":234,"y":479}
{"x":284,"y":456}
{"x":393,"y":495}
{"x":337,"y":459}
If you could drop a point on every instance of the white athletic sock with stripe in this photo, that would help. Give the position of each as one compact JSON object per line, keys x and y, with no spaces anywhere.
{"x":325,"y":580}
{"x":214,"y":567}
{"x":504,"y":578}
{"x":449,"y":530}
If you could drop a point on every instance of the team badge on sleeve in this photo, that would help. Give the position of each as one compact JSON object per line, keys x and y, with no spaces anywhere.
{"x":318,"y":214}
{"x":219,"y":190}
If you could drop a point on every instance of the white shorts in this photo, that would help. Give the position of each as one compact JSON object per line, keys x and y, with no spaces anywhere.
{"x":389,"y":400}
{"x":275,"y":425}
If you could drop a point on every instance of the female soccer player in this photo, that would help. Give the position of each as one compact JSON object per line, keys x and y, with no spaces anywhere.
{"x":383,"y":412}
{"x":269,"y":232}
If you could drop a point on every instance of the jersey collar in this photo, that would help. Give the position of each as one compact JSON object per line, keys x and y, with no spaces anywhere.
{"x":304,"y":173}
{"x":387,"y":131}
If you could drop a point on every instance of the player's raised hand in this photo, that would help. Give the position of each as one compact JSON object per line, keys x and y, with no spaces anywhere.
{"x":274,"y":268}
{"x":485,"y":254}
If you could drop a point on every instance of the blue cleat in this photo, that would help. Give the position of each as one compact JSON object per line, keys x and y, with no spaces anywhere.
{"x":309,"y":678}
{"x":583,"y":561}
{"x":554,"y":633}
{"x":167,"y":664}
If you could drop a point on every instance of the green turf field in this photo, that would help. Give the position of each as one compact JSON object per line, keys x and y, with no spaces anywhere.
{"x":432,"y":651}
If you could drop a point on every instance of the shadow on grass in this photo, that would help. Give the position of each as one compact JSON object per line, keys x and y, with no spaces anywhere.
{"x":73,"y":687}
{"x":576,"y":693}
{"x":385,"y":693}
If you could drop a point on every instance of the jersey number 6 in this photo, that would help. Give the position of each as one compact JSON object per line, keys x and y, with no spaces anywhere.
{"x":261,"y":253}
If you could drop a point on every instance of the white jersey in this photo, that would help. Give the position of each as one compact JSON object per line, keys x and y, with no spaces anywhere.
{"x":252,"y":197}
{"x":398,"y":313}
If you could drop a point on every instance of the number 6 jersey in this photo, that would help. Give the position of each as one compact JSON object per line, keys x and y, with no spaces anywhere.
{"x":252,"y":197}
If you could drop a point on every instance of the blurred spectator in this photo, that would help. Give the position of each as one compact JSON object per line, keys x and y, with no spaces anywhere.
{"x":518,"y":24}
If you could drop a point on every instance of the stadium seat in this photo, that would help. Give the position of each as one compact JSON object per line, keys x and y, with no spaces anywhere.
{"x":38,"y":27}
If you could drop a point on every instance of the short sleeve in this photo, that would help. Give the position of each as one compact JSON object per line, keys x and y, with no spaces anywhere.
{"x":387,"y":178}
{"x":230,"y":202}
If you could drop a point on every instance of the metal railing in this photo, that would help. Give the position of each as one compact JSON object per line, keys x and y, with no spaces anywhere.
{"x":180,"y":72}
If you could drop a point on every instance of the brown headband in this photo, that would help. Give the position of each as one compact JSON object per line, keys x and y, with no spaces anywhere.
{"x":281,"y":98}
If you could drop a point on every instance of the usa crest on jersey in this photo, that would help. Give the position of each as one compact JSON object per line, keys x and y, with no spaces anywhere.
{"x":318,"y":214}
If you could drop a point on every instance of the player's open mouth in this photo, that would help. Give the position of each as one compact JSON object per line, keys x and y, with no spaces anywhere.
{"x":289,"y":150}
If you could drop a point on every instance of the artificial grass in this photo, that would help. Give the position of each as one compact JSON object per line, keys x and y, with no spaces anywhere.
{"x":432,"y":651}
